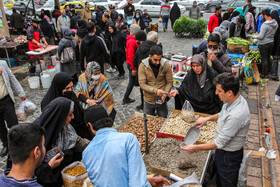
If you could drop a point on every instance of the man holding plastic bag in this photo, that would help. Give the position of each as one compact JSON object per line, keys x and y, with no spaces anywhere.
{"x":230,"y":136}
{"x":8,"y":84}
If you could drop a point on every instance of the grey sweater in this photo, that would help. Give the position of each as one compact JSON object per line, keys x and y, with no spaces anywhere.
{"x":267,"y":33}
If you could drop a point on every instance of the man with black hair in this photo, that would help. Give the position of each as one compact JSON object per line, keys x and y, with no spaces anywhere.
{"x":27,"y":151}
{"x":247,"y":6}
{"x":73,"y":19}
{"x":215,"y":20}
{"x":113,"y":158}
{"x":86,"y":12}
{"x":156,"y":80}
{"x":67,"y":10}
{"x":194,"y":12}
{"x":129,"y":9}
{"x":93,"y":48}
{"x":266,"y":41}
{"x":230,"y":136}
{"x":237,"y":28}
{"x":215,"y":56}
{"x":113,"y":13}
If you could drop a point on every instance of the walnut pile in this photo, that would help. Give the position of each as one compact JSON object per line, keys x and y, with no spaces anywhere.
{"x":177,"y":126}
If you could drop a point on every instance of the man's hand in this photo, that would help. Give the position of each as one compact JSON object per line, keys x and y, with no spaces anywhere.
{"x":189,"y":148}
{"x":55,"y":39}
{"x":134,"y":73}
{"x":91,"y":102}
{"x":173,"y":93}
{"x":55,"y":161}
{"x":129,"y":8}
{"x":211,"y":56}
{"x":201,"y":122}
{"x":158,"y":181}
{"x":39,"y":45}
{"x":163,"y":99}
{"x":23,"y":98}
{"x":160,"y":92}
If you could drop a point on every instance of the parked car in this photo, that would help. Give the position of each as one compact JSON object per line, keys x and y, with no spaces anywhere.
{"x":49,"y":5}
{"x":22,"y":5}
{"x":104,"y":3}
{"x":153,"y":7}
{"x":9,"y":3}
{"x":8,"y":12}
{"x":79,"y":6}
{"x":273,"y":5}
{"x":188,"y":3}
{"x":213,"y":4}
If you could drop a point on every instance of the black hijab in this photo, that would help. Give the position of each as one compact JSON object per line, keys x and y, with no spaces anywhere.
{"x":53,"y":118}
{"x":175,"y":13}
{"x":275,"y":16}
{"x":234,"y":14}
{"x":82,"y":31}
{"x":251,"y":9}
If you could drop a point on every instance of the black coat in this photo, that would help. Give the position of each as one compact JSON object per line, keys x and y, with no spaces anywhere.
{"x":117,"y":41}
{"x":175,"y":14}
{"x":203,"y":100}
{"x":127,"y":11}
{"x":47,"y":28}
{"x":74,"y":20}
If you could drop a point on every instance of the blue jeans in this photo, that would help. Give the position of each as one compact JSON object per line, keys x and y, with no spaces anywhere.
{"x":228,"y":165}
{"x":150,"y":109}
{"x":165,"y":21}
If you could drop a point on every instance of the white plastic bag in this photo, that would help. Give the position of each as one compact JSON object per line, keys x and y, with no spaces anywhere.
{"x":70,"y":181}
{"x":21,"y":115}
{"x":243,"y":170}
{"x":190,"y":180}
{"x":28,"y":106}
{"x":87,"y":183}
{"x":187,"y":112}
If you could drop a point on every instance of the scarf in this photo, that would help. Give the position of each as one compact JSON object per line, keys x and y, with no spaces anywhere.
{"x":201,"y":78}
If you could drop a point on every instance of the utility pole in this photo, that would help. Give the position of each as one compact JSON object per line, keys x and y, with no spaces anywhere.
{"x":4,"y":31}
{"x":56,"y":2}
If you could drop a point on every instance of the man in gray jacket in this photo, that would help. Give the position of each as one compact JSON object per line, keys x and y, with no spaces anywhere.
{"x":8,"y":84}
{"x":194,"y":12}
{"x":266,"y":41}
{"x":63,"y":21}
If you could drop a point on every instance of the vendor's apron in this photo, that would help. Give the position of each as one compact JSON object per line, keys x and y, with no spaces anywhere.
{"x":32,"y":46}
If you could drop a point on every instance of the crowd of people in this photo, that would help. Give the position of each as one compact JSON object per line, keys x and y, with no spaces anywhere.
{"x":78,"y":109}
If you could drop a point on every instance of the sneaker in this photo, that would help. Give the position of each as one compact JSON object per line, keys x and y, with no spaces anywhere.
{"x":128,"y":100}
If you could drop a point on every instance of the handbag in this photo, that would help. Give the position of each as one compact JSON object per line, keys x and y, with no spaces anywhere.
{"x":67,"y":55}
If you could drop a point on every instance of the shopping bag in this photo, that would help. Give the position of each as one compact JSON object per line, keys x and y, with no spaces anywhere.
{"x":187,"y":112}
{"x":73,"y":181}
{"x":160,"y":20}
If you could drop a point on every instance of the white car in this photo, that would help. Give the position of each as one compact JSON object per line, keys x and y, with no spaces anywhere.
{"x":104,"y":3}
{"x":189,"y":3}
{"x":49,"y":5}
{"x":153,"y":7}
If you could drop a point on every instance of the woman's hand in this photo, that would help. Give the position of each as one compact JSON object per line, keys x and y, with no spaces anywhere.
{"x":91,"y":102}
{"x":55,"y":161}
{"x":173,"y":93}
{"x":158,"y":181}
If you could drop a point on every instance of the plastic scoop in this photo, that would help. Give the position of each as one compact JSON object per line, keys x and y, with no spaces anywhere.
{"x":192,"y":135}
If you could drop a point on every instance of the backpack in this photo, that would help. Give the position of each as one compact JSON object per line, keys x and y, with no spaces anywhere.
{"x":68,"y":55}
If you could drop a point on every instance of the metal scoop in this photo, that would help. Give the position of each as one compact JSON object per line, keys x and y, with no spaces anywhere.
{"x":192,"y":135}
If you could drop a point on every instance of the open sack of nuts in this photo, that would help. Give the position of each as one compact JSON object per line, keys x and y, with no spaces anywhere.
{"x":74,"y":175}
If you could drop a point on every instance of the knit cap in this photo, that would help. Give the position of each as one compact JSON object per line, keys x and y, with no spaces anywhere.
{"x":134,"y":28}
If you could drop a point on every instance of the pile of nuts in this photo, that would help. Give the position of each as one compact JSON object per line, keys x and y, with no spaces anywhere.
{"x":136,"y":126}
{"x":75,"y":171}
{"x":177,"y":126}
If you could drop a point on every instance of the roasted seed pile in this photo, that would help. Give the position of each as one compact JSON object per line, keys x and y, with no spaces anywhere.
{"x":75,"y":171}
{"x":165,"y":154}
{"x":177,"y":126}
{"x":136,"y":126}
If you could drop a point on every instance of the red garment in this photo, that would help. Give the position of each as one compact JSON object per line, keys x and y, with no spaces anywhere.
{"x":131,"y":46}
{"x":57,"y":14}
{"x":213,"y":22}
{"x":33,"y":46}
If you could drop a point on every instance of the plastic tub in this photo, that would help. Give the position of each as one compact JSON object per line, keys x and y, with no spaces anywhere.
{"x":34,"y":82}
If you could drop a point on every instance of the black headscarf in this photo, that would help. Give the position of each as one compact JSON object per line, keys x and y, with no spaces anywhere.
{"x":275,"y":16}
{"x":53,"y":118}
{"x":46,"y":28}
{"x":234,"y":14}
{"x":59,"y":83}
{"x":251,"y":9}
{"x":82,"y":31}
{"x":175,"y":13}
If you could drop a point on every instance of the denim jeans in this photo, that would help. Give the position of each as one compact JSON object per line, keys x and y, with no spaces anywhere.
{"x":165,"y":21}
{"x":265,"y":51}
{"x":228,"y":165}
{"x":161,"y":110}
{"x":131,"y":83}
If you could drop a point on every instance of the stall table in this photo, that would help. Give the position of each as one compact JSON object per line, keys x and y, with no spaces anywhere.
{"x":7,"y":54}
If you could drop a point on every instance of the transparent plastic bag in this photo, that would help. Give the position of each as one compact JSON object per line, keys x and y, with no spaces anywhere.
{"x":187,"y":113}
{"x":28,"y":107}
{"x":21,"y":115}
{"x":70,"y":181}
{"x":243,"y":169}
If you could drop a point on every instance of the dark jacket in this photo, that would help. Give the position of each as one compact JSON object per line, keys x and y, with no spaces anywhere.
{"x":127,"y":11}
{"x":244,"y":8}
{"x":117,"y":41}
{"x":74,"y":19}
{"x":17,"y":21}
{"x":147,"y":19}
{"x":222,"y":63}
{"x":47,"y":28}
{"x":93,"y":48}
{"x":99,"y":17}
{"x":232,"y":30}
{"x":114,"y":15}
{"x":175,"y":14}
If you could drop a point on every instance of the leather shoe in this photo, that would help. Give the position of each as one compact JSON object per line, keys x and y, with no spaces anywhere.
{"x":128,"y":100}
{"x":139,"y":107}
{"x":4,"y":151}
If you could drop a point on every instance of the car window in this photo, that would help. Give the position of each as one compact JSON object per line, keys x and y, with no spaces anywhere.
{"x":95,"y":1}
{"x":103,"y":1}
{"x":17,"y":4}
{"x":156,"y":2}
{"x":146,"y":2}
{"x":79,"y":6}
{"x":8,"y":2}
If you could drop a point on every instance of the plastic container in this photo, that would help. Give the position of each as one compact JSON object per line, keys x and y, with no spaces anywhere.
{"x":34,"y":82}
{"x":54,"y":61}
{"x":12,"y":61}
{"x":46,"y":80}
{"x":51,"y":71}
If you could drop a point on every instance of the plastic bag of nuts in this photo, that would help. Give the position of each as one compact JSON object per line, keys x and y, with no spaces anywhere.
{"x":74,"y":174}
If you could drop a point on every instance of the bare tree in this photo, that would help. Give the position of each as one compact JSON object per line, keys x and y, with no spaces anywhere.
{"x":4,"y":31}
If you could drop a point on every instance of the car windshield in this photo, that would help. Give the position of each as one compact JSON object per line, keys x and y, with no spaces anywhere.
{"x":49,"y":4}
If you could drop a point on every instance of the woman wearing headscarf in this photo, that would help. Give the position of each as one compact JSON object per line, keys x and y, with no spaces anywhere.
{"x":240,"y":11}
{"x":175,"y":14}
{"x":223,"y":30}
{"x":81,"y":32}
{"x":250,"y":26}
{"x":68,"y":41}
{"x":228,"y":13}
{"x":275,"y":16}
{"x":117,"y":50}
{"x":48,"y":30}
{"x":59,"y":133}
{"x":233,"y":15}
{"x":62,"y":86}
{"x":94,"y":89}
{"x":139,"y":20}
{"x":197,"y":87}
{"x":120,"y":22}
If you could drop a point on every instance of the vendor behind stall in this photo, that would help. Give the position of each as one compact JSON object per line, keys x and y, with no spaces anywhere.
{"x":34,"y":34}
{"x":230,"y":135}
